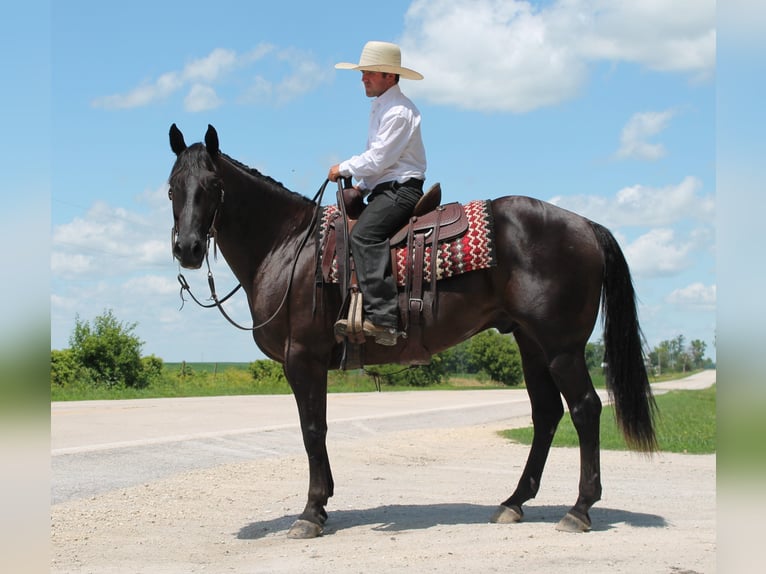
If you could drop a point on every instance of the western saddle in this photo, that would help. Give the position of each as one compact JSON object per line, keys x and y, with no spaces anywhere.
{"x":429,"y":224}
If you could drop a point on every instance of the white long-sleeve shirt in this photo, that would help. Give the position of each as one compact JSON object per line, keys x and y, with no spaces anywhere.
{"x":394,"y":145}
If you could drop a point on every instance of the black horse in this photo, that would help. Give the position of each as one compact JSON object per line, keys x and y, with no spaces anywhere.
{"x":554,"y":268}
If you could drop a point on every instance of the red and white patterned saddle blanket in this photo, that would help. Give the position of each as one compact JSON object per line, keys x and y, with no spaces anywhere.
{"x":473,"y":250}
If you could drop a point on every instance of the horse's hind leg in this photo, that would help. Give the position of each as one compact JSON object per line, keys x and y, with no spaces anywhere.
{"x":547,"y":410}
{"x":572,"y":377}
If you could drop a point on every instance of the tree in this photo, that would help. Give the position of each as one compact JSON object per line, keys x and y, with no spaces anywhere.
{"x":676,"y":347}
{"x":594,"y":354}
{"x":497,"y":355}
{"x":697,"y":349}
{"x":457,"y":359}
{"x":108,"y":352}
{"x":672,"y":356}
{"x":661,"y":357}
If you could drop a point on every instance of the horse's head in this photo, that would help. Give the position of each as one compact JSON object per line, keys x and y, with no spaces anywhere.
{"x":196,"y":191}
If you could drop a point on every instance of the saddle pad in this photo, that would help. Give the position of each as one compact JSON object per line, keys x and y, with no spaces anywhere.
{"x":471,"y":251}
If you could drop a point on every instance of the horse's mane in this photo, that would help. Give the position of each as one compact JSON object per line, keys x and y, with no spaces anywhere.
{"x":277,"y":186}
{"x":196,"y":158}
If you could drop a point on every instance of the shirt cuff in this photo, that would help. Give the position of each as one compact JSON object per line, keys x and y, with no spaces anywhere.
{"x":343,"y":169}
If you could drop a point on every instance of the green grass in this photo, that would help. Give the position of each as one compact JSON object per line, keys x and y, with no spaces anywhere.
{"x":686,"y":424}
{"x":202,"y":380}
{"x":220,"y":379}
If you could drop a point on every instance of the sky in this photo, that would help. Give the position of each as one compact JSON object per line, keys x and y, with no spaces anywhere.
{"x":606,"y":108}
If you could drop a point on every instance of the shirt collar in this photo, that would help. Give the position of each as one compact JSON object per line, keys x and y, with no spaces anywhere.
{"x":391,"y":93}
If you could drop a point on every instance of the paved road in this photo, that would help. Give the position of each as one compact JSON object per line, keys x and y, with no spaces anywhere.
{"x":99,"y":446}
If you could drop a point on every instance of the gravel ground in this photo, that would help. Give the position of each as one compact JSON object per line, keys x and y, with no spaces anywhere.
{"x":410,"y":501}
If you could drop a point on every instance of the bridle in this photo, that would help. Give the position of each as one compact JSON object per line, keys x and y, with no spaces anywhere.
{"x":212,"y":234}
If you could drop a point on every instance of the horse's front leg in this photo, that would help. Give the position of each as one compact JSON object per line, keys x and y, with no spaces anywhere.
{"x":308,"y":379}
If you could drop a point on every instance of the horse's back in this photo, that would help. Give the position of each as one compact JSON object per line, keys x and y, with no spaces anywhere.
{"x":539,"y":233}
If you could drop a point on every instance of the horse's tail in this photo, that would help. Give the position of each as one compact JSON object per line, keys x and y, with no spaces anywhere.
{"x":626,"y":377}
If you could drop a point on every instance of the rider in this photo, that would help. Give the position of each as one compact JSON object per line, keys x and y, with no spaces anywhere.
{"x":392,"y":171}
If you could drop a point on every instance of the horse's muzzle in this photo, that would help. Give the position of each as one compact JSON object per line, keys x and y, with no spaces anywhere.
{"x":190,"y":253}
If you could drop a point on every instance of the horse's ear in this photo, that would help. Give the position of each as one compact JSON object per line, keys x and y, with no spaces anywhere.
{"x":177,"y":143}
{"x":211,"y":141}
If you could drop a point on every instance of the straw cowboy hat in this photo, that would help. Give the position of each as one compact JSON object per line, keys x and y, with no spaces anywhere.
{"x":381,"y":57}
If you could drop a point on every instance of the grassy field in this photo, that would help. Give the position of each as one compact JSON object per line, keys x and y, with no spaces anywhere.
{"x":686,"y":423}
{"x":221,"y":379}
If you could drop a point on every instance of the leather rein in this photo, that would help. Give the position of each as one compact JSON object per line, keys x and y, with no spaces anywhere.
{"x":212,"y":234}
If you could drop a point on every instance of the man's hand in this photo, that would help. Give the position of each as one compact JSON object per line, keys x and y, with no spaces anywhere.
{"x":334,"y":173}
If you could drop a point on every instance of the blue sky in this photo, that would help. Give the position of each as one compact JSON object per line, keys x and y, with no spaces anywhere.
{"x":607,"y":108}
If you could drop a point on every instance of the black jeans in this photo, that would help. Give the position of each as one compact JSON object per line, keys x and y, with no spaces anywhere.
{"x":388,"y":209}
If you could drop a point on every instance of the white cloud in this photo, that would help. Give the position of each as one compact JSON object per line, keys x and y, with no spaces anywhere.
{"x":109,"y":241}
{"x":208,"y":69}
{"x":636,"y":133}
{"x":305,"y":75}
{"x":259,"y":91}
{"x":641,"y":205}
{"x":694,"y":296}
{"x":657,"y":254}
{"x":201,"y":98}
{"x":142,"y":95}
{"x":488,"y":55}
{"x":203,"y":75}
{"x":674,"y":36}
{"x":510,"y":55}
{"x":71,"y":264}
{"x":211,"y":67}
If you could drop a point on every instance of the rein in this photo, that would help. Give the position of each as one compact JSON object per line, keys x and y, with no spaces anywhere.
{"x":212,"y":232}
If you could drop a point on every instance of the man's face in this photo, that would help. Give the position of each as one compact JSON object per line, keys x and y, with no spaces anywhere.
{"x":375,"y":83}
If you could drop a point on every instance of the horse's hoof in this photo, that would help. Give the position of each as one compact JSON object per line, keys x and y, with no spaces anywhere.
{"x":507,"y":515}
{"x":304,"y":529}
{"x":572,"y":523}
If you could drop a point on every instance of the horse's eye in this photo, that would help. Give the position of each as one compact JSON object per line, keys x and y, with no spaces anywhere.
{"x":170,"y":193}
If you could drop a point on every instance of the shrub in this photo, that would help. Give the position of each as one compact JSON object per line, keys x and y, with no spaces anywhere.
{"x":65,"y":369}
{"x":266,"y":371}
{"x":396,"y":375}
{"x":152,"y":367}
{"x":108,"y":352}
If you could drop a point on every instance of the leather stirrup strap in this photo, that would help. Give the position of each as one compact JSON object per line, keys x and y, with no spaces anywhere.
{"x":355,"y":331}
{"x":435,"y":261}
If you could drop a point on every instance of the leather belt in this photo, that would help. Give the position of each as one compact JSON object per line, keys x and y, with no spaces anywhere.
{"x":393,"y":184}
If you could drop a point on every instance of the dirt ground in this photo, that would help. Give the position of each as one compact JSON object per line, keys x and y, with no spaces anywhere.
{"x":412,"y":501}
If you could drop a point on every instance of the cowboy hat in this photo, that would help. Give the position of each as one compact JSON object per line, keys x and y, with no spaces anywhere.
{"x":381,"y":57}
